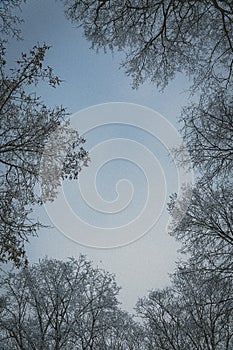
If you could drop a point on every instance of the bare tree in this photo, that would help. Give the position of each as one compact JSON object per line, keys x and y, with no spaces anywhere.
{"x":64,"y":305}
{"x":207,"y":128}
{"x":205,"y":228}
{"x":195,"y":313}
{"x":162,"y":38}
{"x":26,"y":126}
{"x":122,"y":333}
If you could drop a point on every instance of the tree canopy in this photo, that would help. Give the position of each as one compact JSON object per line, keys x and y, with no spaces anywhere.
{"x":194,"y":313}
{"x":27,"y":125}
{"x":68,"y":305}
{"x":159,"y":40}
{"x":162,"y":38}
{"x":207,"y":128}
{"x":64,"y":305}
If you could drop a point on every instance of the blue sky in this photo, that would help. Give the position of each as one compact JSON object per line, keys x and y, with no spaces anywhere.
{"x":91,"y":79}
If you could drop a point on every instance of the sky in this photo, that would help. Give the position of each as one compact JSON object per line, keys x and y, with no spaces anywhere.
{"x":115,"y":213}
